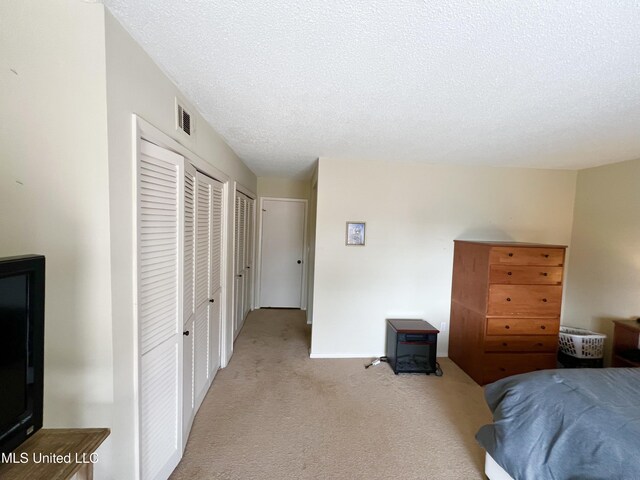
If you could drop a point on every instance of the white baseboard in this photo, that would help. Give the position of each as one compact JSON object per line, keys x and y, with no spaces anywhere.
{"x":345,"y":355}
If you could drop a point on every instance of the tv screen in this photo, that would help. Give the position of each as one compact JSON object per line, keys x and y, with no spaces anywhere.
{"x":21,"y":348}
{"x":14,"y":308}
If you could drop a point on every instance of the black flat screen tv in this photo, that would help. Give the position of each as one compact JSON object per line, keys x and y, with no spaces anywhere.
{"x":21,"y":348}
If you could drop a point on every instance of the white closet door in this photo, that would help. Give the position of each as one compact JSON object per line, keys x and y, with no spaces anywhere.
{"x":159,"y":258}
{"x":204,"y":226}
{"x":189,"y":300}
{"x":249,"y":255}
{"x":215,"y":314}
{"x":239,"y":263}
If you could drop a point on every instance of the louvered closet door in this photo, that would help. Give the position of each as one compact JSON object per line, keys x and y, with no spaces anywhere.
{"x":208,"y":283}
{"x":189,"y":300}
{"x":204,"y":225}
{"x":159,"y":220}
{"x":239,"y":250}
{"x":248,"y":269}
{"x":215,"y":314}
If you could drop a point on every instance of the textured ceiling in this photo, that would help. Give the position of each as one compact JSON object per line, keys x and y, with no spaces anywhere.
{"x":538,"y":84}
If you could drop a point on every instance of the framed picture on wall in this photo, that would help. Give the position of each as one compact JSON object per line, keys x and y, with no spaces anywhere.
{"x":355,"y":233}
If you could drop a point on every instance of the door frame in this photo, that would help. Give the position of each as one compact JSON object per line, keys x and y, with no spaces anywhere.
{"x":305,"y":251}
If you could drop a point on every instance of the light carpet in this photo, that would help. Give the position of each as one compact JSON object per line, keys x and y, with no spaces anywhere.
{"x":274,"y":413}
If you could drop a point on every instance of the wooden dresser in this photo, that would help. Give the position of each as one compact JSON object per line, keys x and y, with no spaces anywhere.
{"x":505,"y":308}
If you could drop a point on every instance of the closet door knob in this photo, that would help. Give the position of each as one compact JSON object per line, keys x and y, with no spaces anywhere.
{"x":186,"y":333}
{"x":211,"y":300}
{"x":299,"y":262}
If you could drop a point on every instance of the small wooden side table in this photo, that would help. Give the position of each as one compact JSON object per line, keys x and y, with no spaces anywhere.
{"x":625,"y":340}
{"x":55,"y":454}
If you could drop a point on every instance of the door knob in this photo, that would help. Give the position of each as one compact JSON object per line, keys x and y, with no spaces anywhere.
{"x":186,"y":333}
{"x":211,"y":300}
{"x":299,"y":262}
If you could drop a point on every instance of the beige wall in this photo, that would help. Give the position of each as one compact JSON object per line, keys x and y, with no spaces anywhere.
{"x":603,"y":280}
{"x":136,"y":85}
{"x":413,"y":214}
{"x":54,"y":194}
{"x":311,"y":235}
{"x":283,"y":188}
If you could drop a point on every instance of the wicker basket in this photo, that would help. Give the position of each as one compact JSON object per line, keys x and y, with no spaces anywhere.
{"x":581,"y":343}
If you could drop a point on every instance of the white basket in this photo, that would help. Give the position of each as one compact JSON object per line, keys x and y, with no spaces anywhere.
{"x":581,"y":343}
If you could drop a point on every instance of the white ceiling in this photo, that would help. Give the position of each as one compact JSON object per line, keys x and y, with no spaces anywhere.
{"x":540,"y":83}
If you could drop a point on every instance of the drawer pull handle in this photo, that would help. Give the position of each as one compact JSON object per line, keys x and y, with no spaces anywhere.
{"x":540,"y":344}
{"x":543,"y":327}
{"x":511,"y":254}
{"x":507,"y":327}
{"x":508,"y":299}
{"x":544,"y":274}
{"x":502,"y":369}
{"x":544,"y":300}
{"x":508,"y":273}
{"x":545,"y":255}
{"x":504,"y":344}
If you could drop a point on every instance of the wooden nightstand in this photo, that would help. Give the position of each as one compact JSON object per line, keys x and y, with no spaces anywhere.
{"x":626,"y":334}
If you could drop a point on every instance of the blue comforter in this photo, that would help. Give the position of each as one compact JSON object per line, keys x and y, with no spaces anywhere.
{"x":566,"y":424}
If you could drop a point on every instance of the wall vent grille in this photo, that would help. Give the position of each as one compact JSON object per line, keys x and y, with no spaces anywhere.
{"x":183,"y":119}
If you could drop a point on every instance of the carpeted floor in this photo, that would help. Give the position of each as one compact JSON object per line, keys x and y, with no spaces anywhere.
{"x":274,"y":413}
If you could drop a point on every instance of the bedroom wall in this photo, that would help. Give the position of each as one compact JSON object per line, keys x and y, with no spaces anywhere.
{"x":54,"y":195}
{"x":413,"y":214}
{"x":603,"y":279}
{"x":282,"y":187}
{"x":137,"y":85}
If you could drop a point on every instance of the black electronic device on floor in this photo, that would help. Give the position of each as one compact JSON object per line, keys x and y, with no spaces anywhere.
{"x":411,"y":346}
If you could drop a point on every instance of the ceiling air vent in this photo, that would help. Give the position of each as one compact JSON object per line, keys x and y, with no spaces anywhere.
{"x":183,"y":119}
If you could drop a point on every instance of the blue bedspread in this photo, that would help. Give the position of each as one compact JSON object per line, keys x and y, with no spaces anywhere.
{"x":566,"y":424}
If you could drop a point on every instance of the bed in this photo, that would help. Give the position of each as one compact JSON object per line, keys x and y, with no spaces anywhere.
{"x":564,"y":424}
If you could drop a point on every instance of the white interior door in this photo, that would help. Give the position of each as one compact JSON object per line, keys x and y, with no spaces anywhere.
{"x":249,"y":254}
{"x":208,"y":283}
{"x":239,"y":262}
{"x":160,"y":199}
{"x":215,"y":310}
{"x":283,"y":223}
{"x":189,"y":301}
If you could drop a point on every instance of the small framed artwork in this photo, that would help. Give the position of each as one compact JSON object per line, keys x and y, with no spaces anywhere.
{"x":355,"y":233}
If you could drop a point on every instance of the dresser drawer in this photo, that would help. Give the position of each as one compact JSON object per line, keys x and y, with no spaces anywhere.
{"x":526,"y":256}
{"x":524,"y":300}
{"x":500,"y":365}
{"x":525,"y":274}
{"x":523,"y":326}
{"x":521,"y":343}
